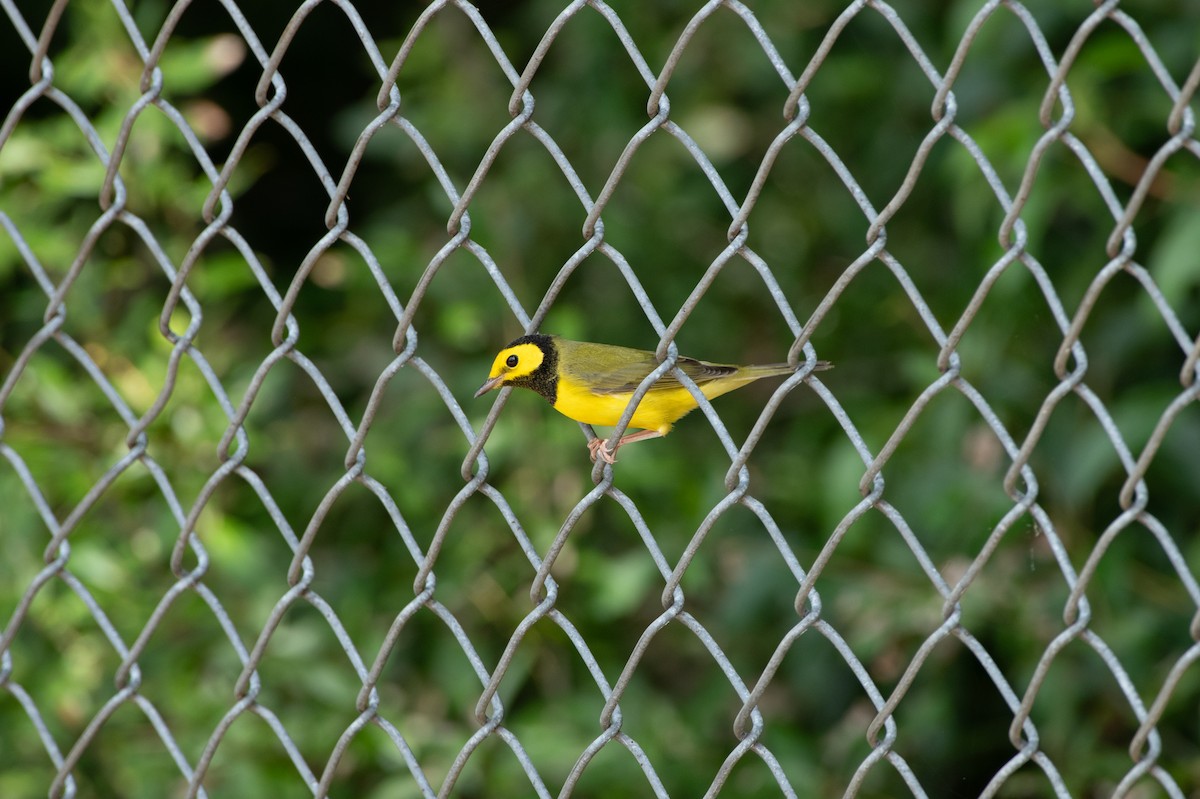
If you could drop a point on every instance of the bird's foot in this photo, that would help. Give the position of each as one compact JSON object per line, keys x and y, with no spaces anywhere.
{"x":599,"y":449}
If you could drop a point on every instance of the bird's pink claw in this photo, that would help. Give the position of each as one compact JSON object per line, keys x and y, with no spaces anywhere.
{"x":599,"y":449}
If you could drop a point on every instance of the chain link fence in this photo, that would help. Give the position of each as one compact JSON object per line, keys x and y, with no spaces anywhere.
{"x":259,"y":541}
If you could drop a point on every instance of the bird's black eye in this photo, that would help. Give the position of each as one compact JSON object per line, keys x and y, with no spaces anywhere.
{"x":511,"y":362}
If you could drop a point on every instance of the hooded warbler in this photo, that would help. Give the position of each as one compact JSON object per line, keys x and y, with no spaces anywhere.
{"x":593,"y":383}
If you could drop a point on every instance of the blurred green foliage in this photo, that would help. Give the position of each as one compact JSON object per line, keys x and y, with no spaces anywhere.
{"x":871,"y":103}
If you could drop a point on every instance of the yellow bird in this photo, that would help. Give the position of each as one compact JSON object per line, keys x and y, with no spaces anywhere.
{"x":593,"y":383}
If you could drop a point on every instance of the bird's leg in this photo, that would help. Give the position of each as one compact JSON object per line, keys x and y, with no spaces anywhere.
{"x":599,"y":446}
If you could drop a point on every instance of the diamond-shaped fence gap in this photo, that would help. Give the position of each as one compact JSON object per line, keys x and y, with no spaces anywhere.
{"x":373,"y":765}
{"x":236,"y":528}
{"x":680,"y":704}
{"x":70,"y":177}
{"x":492,"y":763}
{"x":527,"y":217}
{"x":900,"y":355}
{"x":739,"y":582}
{"x":1069,"y":224}
{"x":211,"y":67}
{"x":807,"y":244}
{"x":352,"y":76}
{"x":455,"y":290}
{"x":161,"y":181}
{"x":281,"y":234}
{"x":649,"y":476}
{"x":736,"y":288}
{"x":725,"y":92}
{"x":316,"y":706}
{"x":403,"y":217}
{"x":959,"y":509}
{"x":592,"y":128}
{"x":1099,"y":755}
{"x":235,"y":336}
{"x":429,"y":687}
{"x":799,"y":722}
{"x":1022,"y":556}
{"x":249,"y":756}
{"x":340,"y":280}
{"x":183,"y":435}
{"x":356,"y":540}
{"x":1145,"y":358}
{"x":1144,"y":620}
{"x":551,"y":701}
{"x":605,"y":575}
{"x":614,"y":764}
{"x":125,"y":754}
{"x":454,"y":91}
{"x":544,"y":484}
{"x":525,"y":222}
{"x":1009,"y":368}
{"x":413,"y":418}
{"x":195,"y":63}
{"x":122,"y":275}
{"x":483,"y":581}
{"x":1084,"y":499}
{"x":664,"y":187}
{"x":432,"y":714}
{"x":1009,"y":624}
{"x":89,"y":434}
{"x":952,"y":690}
{"x":948,"y":269}
{"x":70,"y":661}
{"x":120,"y":549}
{"x":1146,"y":564}
{"x":89,"y":74}
{"x":810,"y":481}
{"x":892,"y":115}
{"x":25,"y":764}
{"x":998,"y":91}
{"x":853,"y":589}
{"x":191,"y":706}
{"x":601,"y":300}
{"x":298,"y":468}
{"x":1111,"y":68}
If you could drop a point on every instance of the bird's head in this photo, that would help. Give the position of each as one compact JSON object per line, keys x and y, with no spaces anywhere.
{"x":530,"y":362}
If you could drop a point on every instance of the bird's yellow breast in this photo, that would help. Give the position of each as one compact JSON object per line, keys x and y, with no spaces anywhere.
{"x":658,"y":410}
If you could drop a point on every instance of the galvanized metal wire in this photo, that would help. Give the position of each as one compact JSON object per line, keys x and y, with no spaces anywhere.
{"x":190,"y":560}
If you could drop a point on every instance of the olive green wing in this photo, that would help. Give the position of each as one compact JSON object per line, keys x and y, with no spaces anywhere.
{"x":607,"y":369}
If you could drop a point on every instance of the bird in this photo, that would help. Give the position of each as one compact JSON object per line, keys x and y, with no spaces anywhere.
{"x":593,"y":383}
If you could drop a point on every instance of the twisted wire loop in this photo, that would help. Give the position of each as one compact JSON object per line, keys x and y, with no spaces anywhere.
{"x":798,"y":126}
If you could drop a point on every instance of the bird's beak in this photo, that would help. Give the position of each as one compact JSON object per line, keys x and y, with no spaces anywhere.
{"x":491,"y":384}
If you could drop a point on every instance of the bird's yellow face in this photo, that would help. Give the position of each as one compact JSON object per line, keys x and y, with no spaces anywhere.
{"x":514,"y":364}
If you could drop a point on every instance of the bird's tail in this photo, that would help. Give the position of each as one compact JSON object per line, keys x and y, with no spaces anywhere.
{"x":775,"y":369}
{"x":748,"y":374}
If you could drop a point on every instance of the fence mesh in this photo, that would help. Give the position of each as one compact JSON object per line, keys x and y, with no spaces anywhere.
{"x":999,"y":573}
